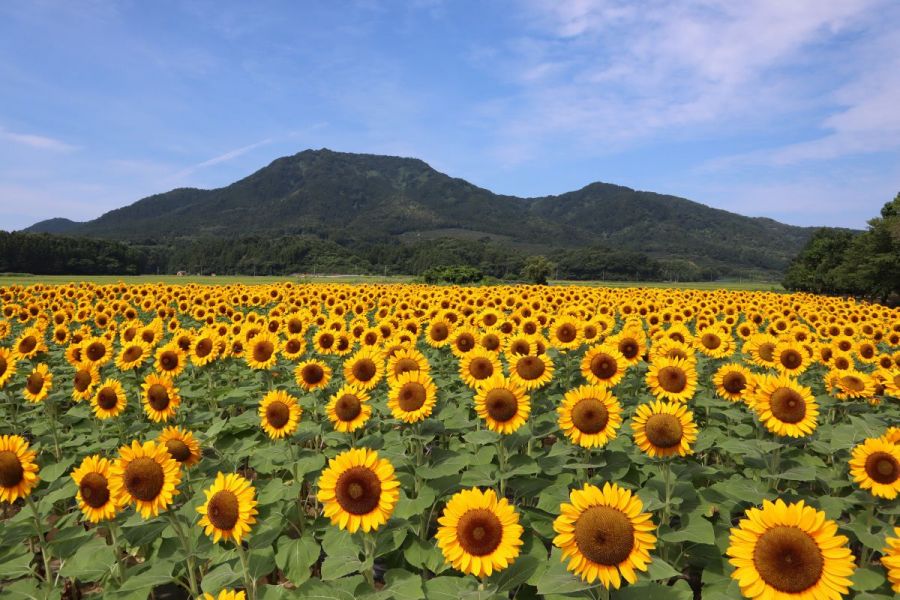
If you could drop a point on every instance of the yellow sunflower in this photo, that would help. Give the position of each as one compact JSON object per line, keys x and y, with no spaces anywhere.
{"x":30,"y":344}
{"x":170,"y":360}
{"x":365,"y":368}
{"x":784,"y":406}
{"x":226,"y":595}
{"x":94,"y":497}
{"x":604,"y":534}
{"x":145,"y":475}
{"x":38,"y":384}
{"x":672,"y":379}
{"x":851,"y":383}
{"x":230,"y":508}
{"x":790,"y":358}
{"x":358,"y":490}
{"x":109,"y":400}
{"x":590,"y":416}
{"x":293,"y":347}
{"x":262,"y":351}
{"x":160,"y":397}
{"x":132,"y":355}
{"x":604,"y":365}
{"x":407,"y":359}
{"x":531,"y":371}
{"x":97,"y":350}
{"x":87,"y":375}
{"x":631,"y":343}
{"x":18,"y":471}
{"x":204,"y":348}
{"x":566,"y":333}
{"x":437,"y":333}
{"x":412,"y":396}
{"x":663,"y":429}
{"x":312,"y":375}
{"x":478,"y":365}
{"x":502,"y":403}
{"x":761,"y":348}
{"x":733,"y":381}
{"x":714,"y":342}
{"x":479,"y":534}
{"x":463,"y":340}
{"x":891,"y":560}
{"x":279,"y":414}
{"x":790,"y":551}
{"x":349,"y":409}
{"x":7,"y":365}
{"x":181,"y":445}
{"x":875,"y":466}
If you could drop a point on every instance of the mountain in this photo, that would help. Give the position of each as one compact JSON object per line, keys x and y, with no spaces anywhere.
{"x":57,"y":225}
{"x":357,"y":199}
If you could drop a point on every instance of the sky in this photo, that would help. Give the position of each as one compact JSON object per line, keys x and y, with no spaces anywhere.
{"x":788,"y":109}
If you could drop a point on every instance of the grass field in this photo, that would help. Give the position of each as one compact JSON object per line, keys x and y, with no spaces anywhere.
{"x":26,"y":279}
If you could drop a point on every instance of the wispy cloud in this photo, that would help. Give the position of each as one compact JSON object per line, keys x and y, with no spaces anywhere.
{"x":39,"y":142}
{"x":222,"y":158}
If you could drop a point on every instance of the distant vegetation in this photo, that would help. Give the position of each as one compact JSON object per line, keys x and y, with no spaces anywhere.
{"x":323,"y":210}
{"x":867,"y":264}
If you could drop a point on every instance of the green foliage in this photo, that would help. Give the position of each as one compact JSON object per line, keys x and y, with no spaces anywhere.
{"x":538,"y":269}
{"x":46,"y":254}
{"x":457,"y":275}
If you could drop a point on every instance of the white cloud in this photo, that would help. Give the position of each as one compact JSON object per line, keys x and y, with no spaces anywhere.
{"x":38,"y":142}
{"x":227,"y":156}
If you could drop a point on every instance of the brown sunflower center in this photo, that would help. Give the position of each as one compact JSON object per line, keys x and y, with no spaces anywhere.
{"x":27,"y":344}
{"x":107,"y":398}
{"x":158,"y":396}
{"x":501,"y":404}
{"x":168,"y":360}
{"x":664,"y":430}
{"x":347,"y":407}
{"x":604,"y":366}
{"x":144,"y":478}
{"x":853,"y":383}
{"x":178,"y":450}
{"x":566,"y":333}
{"x":590,"y":415}
{"x":767,"y":351}
{"x":788,"y":405}
{"x":35,"y":383}
{"x":132,"y":353}
{"x":519,"y":347}
{"x":710,"y":341}
{"x":465,"y":342}
{"x":672,"y":379}
{"x":358,"y":490}
{"x":278,"y":414}
{"x":82,"y":380}
{"x":788,"y":559}
{"x":530,"y":367}
{"x":439,"y":332}
{"x":481,"y":368}
{"x":326,"y":340}
{"x":94,"y":490}
{"x":412,"y":396}
{"x":791,"y":359}
{"x":11,"y":471}
{"x":629,"y":348}
{"x":490,"y":341}
{"x":3,"y":365}
{"x":882,"y":467}
{"x":312,"y":373}
{"x":95,"y":351}
{"x":364,"y":369}
{"x":223,"y":510}
{"x":479,"y":531}
{"x":604,"y":535}
{"x":867,"y":351}
{"x":405,"y":365}
{"x":204,"y":347}
{"x":293,"y":346}
{"x":734,"y":382}
{"x":262,"y":351}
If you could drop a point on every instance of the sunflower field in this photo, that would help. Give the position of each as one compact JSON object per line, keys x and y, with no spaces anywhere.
{"x":412,"y":441}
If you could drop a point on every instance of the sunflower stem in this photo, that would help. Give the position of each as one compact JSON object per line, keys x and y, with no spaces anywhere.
{"x":51,"y":416}
{"x":117,"y":548}
{"x":501,"y":461}
{"x":774,"y":467}
{"x":249,"y":581}
{"x":369,"y":549}
{"x":45,"y":553}
{"x":666,"y":469}
{"x":189,"y":551}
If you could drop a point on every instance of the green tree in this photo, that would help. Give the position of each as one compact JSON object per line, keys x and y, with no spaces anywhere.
{"x":815,"y":268}
{"x":537,"y":269}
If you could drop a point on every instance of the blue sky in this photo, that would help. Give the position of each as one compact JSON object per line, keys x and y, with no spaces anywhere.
{"x":787,"y":109}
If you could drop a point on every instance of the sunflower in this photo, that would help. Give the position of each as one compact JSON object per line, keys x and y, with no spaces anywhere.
{"x":325,"y":341}
{"x":790,"y":357}
{"x":604,"y":534}
{"x":630,"y":343}
{"x":891,"y":560}
{"x":478,"y":365}
{"x":145,"y":475}
{"x":733,"y":381}
{"x":437,"y":333}
{"x":225,"y":595}
{"x":479,"y":534}
{"x":590,"y":416}
{"x":463,"y":340}
{"x":160,"y":397}
{"x":784,"y":406}
{"x":407,"y":359}
{"x":358,"y":490}
{"x":714,"y":342}
{"x":312,"y":375}
{"x":349,"y":409}
{"x":262,"y":351}
{"x":132,"y":355}
{"x":875,"y":466}
{"x":789,"y":551}
{"x":603,"y":365}
{"x":892,"y":435}
{"x":663,"y":429}
{"x":29,"y":344}
{"x":230,"y":508}
{"x":204,"y":348}
{"x":181,"y":445}
{"x":18,"y":471}
{"x":293,"y":347}
{"x":170,"y":359}
{"x":412,"y":396}
{"x":97,"y":350}
{"x":7,"y":365}
{"x":566,"y":333}
{"x":502,"y":403}
{"x":279,"y":413}
{"x":531,"y":371}
{"x":672,"y":379}
{"x":109,"y":400}
{"x":38,"y":384}
{"x":851,"y":383}
{"x":365,"y":368}
{"x":761,"y":348}
{"x":93,"y":495}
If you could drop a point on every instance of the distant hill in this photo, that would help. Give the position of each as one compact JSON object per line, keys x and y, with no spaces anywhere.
{"x":364,"y":199}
